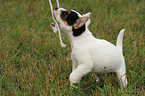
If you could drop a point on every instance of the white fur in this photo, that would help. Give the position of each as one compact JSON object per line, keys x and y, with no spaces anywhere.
{"x":93,"y":55}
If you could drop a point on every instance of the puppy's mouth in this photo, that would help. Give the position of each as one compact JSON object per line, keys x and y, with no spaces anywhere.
{"x":53,"y":24}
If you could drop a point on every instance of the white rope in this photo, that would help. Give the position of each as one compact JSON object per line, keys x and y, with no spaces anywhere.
{"x":56,"y":26}
{"x":57,"y":3}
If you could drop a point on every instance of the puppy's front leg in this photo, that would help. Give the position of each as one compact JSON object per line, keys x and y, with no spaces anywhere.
{"x":74,"y":62}
{"x":78,"y":73}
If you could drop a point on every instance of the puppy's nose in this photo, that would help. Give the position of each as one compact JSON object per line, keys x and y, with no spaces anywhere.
{"x":56,"y":8}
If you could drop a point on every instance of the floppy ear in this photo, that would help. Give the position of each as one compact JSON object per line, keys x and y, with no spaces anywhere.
{"x":80,"y":22}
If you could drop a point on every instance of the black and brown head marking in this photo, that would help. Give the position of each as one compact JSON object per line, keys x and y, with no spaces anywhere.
{"x":70,"y":17}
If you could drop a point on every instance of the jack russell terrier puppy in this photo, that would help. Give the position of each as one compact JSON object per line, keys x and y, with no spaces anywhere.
{"x":90,"y":54}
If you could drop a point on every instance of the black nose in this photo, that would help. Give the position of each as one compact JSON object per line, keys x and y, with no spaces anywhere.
{"x":56,"y":8}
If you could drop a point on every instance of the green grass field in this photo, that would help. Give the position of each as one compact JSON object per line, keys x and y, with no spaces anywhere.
{"x":33,"y":63}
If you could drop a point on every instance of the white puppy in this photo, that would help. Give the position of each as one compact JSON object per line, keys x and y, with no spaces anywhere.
{"x":88,"y":53}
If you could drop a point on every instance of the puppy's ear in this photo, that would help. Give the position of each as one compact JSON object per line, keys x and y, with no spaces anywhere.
{"x":87,"y":14}
{"x":80,"y":22}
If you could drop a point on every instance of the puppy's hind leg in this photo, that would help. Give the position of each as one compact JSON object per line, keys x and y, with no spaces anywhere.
{"x":99,"y":77}
{"x":121,"y":75}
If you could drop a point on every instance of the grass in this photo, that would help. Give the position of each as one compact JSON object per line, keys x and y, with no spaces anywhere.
{"x":33,"y":63}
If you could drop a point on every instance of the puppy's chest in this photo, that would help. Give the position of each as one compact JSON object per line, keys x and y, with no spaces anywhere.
{"x":80,"y":48}
{"x":82,"y":44}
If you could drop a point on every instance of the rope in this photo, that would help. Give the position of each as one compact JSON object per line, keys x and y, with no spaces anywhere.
{"x":56,"y":26}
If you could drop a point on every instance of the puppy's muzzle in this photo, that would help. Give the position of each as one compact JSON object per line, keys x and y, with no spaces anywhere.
{"x":53,"y":24}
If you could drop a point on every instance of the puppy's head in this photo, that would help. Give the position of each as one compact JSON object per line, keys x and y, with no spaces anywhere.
{"x":71,"y":21}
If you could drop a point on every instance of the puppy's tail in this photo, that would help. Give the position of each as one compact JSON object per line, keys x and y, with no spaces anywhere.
{"x":119,"y":40}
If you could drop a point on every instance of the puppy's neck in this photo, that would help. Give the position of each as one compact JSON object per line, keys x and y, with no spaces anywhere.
{"x":74,"y":40}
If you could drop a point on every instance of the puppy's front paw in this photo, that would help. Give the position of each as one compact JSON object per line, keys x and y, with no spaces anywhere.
{"x":74,"y":86}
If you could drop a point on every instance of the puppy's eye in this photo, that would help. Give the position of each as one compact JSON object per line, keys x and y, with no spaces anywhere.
{"x":64,"y":14}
